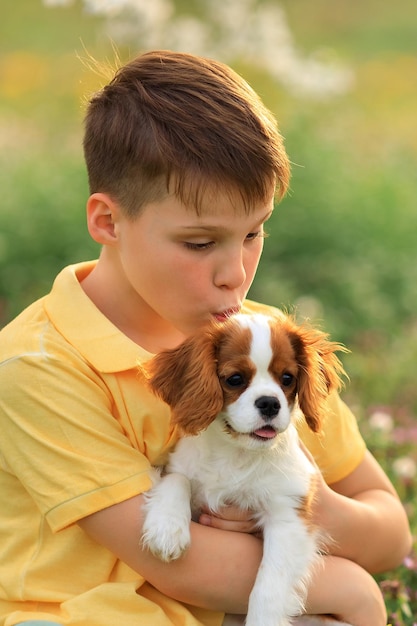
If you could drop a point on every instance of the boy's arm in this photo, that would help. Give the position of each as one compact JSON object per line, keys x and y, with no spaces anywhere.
{"x":365,"y":518}
{"x":217,"y":572}
{"x":219,"y":569}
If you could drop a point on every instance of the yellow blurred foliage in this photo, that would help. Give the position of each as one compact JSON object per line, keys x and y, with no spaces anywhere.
{"x":21,"y":73}
{"x":389,"y":82}
{"x":386,"y":92}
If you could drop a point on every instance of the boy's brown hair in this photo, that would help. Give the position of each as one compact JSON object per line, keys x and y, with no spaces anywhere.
{"x":176,"y":121}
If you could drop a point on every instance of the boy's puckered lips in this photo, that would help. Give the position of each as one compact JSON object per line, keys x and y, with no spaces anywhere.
{"x":224,"y":315}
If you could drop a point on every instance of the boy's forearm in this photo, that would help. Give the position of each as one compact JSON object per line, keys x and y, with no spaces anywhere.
{"x":217,"y":571}
{"x":370,"y":529}
{"x":364,"y":518}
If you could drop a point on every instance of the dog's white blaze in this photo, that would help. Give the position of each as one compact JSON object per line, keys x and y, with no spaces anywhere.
{"x":243,"y":414}
{"x":261,"y":349}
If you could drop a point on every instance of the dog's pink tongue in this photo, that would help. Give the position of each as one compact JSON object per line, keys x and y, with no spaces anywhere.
{"x":265,"y":433}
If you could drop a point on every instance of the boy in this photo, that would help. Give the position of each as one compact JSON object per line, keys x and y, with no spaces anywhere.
{"x":184,"y":163}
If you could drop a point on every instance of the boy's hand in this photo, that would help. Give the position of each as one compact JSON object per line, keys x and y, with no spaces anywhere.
{"x":230,"y":518}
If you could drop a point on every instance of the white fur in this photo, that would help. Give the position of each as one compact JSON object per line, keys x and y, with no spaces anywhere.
{"x":268,"y":476}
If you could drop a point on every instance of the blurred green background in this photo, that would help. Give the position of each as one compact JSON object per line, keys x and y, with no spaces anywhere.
{"x":341,"y":78}
{"x":343,"y":244}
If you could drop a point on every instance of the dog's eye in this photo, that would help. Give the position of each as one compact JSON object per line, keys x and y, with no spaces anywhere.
{"x":236,"y":380}
{"x":287,"y":379}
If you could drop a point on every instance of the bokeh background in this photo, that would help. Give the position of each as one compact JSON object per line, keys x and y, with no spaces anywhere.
{"x":341,"y":78}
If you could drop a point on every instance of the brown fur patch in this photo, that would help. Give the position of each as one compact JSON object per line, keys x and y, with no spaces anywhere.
{"x":233,"y":358}
{"x":319,"y":369}
{"x":284,"y":359}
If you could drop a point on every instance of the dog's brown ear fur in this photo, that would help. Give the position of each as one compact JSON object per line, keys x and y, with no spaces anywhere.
{"x":320,"y":371}
{"x":186,"y":379}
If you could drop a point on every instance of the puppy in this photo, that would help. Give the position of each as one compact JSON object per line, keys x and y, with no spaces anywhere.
{"x":236,"y":390}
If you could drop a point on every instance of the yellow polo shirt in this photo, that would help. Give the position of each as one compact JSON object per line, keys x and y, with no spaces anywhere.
{"x":79,"y":433}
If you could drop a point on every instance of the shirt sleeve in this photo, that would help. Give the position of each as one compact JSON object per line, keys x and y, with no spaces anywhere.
{"x":61,"y":438}
{"x":338,"y":448}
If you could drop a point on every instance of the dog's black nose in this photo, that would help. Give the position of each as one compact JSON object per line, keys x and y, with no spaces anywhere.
{"x":268,"y":406}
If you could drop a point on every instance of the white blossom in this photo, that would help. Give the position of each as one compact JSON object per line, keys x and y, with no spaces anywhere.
{"x":257,"y":33}
{"x":53,"y":3}
{"x":405,"y":467}
{"x":382,"y":421}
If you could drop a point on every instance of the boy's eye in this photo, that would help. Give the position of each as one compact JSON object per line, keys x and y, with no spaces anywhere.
{"x":198,"y":246}
{"x":256,"y":235}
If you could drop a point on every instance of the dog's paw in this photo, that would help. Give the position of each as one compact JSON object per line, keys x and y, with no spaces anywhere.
{"x":167,"y":541}
{"x":265,"y":618}
{"x":272,"y":606}
{"x":282,"y":622}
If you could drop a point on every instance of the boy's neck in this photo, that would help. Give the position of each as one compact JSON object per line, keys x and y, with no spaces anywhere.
{"x":126,"y":310}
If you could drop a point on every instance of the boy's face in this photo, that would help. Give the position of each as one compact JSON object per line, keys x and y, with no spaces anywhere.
{"x":186,"y":268}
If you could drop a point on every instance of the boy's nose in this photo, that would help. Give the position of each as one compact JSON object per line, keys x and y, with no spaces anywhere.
{"x":231,"y":272}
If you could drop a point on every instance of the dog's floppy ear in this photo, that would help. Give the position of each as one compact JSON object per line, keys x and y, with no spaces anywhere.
{"x":186,"y":379}
{"x":320,"y":371}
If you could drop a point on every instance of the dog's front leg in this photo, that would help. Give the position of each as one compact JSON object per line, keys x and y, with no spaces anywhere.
{"x":278,"y":593}
{"x":166,"y":529}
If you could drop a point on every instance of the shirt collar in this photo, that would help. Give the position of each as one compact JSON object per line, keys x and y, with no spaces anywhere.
{"x":77,"y":318}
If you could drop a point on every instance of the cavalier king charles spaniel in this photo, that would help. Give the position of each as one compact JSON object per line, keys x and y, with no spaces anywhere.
{"x":236,"y":390}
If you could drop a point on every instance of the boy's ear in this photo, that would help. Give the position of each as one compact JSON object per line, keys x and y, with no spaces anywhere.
{"x":102,"y":213}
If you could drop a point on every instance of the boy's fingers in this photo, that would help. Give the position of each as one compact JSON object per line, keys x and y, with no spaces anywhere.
{"x":230,"y":518}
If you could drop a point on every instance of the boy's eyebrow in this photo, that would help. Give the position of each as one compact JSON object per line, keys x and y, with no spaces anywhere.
{"x":214,"y":227}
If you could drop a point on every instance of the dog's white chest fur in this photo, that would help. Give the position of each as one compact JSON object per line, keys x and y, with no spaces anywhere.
{"x":258,"y":480}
